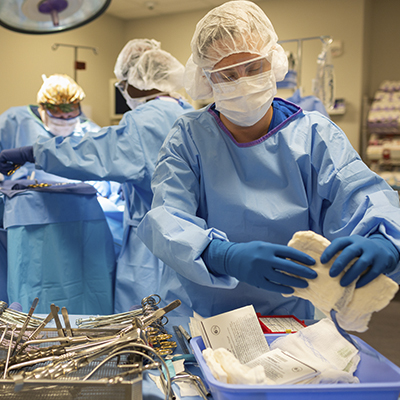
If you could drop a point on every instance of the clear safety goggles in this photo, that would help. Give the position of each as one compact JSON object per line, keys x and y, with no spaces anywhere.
{"x":232,"y":73}
{"x":63,"y":111}
{"x":121,"y":85}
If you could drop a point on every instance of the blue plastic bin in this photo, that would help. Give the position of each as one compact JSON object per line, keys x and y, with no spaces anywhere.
{"x":379,"y":380}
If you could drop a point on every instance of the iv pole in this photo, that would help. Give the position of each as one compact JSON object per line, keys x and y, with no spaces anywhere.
{"x":300,"y":50}
{"x":57,"y":45}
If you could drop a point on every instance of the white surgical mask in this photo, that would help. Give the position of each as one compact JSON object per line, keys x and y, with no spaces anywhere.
{"x":62,"y":127}
{"x":136,"y":102}
{"x":59,"y":126}
{"x":245,"y":101}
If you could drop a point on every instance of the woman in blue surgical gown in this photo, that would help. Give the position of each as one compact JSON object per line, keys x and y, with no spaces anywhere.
{"x":127,"y":153}
{"x":235,"y":180}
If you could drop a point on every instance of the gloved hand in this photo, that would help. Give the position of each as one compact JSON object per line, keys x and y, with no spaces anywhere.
{"x":260,"y":264}
{"x":11,"y":158}
{"x":377,"y":255}
{"x":15,"y":306}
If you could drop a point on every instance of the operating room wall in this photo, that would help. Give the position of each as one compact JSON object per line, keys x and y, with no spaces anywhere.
{"x":384,"y":42}
{"x":25,"y":57}
{"x":368,"y":30}
{"x":341,"y":19}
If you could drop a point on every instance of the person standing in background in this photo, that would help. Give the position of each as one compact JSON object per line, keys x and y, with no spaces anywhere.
{"x":149,"y":79}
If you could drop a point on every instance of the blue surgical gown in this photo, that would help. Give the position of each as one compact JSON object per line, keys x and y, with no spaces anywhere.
{"x":125,"y":153}
{"x":302,"y":175}
{"x":59,"y":248}
{"x":22,"y":126}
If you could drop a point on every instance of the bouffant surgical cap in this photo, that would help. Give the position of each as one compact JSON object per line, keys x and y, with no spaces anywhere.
{"x":145,"y":66}
{"x":59,"y":89}
{"x":234,"y":27}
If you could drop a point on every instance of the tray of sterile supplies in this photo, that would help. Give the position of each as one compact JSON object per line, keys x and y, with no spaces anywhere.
{"x":103,"y":378}
{"x":379,"y":380}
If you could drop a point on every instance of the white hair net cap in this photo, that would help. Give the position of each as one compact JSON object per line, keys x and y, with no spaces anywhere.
{"x":145,"y":66}
{"x":234,"y":27}
{"x":130,"y":54}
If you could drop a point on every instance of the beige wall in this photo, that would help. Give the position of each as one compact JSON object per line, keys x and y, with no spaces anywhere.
{"x":368,"y":30}
{"x":384,"y":42}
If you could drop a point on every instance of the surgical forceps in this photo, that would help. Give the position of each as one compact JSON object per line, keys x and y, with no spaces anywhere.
{"x":77,"y":352}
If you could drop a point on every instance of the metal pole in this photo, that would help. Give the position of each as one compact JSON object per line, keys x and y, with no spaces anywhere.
{"x":76,"y":47}
{"x":75,"y":58}
{"x":300,"y":51}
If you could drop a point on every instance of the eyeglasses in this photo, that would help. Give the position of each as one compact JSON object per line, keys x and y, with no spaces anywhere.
{"x":233,"y":72}
{"x":63,"y":111}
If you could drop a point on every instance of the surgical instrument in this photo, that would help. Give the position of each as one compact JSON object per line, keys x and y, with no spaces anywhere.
{"x":22,"y":331}
{"x":68,"y":328}
{"x":54,"y":311}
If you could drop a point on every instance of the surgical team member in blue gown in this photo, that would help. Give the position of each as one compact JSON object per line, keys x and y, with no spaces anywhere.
{"x":53,"y":225}
{"x":58,"y":113}
{"x":127,"y":153}
{"x":235,"y":180}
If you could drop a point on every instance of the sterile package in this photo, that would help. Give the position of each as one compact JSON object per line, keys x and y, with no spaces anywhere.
{"x":323,"y":347}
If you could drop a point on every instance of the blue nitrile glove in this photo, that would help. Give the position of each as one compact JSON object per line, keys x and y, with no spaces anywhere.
{"x":11,"y":158}
{"x":15,"y":306}
{"x":377,"y":255}
{"x":260,"y":264}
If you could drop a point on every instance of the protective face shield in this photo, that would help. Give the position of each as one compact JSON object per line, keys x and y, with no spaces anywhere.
{"x":64,"y":111}
{"x":231,"y":73}
{"x":58,"y":122}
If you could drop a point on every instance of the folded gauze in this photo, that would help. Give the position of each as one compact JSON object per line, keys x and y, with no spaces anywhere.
{"x":354,"y":306}
{"x":226,"y":368}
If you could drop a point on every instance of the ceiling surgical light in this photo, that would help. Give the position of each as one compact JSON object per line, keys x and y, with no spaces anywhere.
{"x":49,"y":16}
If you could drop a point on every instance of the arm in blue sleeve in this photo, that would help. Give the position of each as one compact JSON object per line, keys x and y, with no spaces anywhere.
{"x":114,"y":153}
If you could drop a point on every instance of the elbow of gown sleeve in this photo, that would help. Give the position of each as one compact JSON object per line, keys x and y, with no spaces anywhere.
{"x":179,"y":243}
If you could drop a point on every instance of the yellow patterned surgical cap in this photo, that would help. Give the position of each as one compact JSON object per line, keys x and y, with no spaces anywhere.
{"x":60,"y":89}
